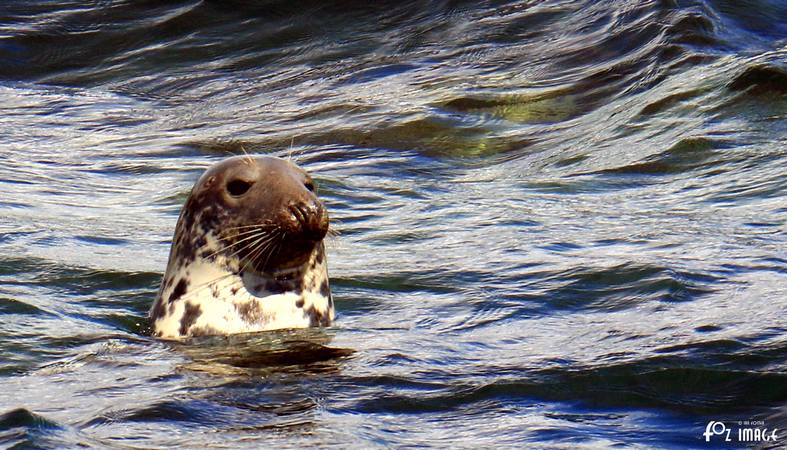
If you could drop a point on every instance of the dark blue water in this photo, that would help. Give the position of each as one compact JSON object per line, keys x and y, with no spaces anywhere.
{"x":562,"y":223}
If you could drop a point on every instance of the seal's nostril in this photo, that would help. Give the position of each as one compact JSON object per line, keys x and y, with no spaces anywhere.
{"x":296,"y":213}
{"x":305,"y":213}
{"x":301,"y":214}
{"x":310,"y":219}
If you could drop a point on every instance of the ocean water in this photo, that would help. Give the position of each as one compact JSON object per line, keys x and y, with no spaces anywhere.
{"x":563,"y":224}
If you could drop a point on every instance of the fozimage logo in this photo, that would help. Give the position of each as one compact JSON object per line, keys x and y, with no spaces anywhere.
{"x":740,"y":431}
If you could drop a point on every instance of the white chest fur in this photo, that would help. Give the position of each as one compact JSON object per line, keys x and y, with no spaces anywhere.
{"x":202,"y":298}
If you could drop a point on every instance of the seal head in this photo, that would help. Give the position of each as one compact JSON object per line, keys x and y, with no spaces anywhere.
{"x":247,"y":255}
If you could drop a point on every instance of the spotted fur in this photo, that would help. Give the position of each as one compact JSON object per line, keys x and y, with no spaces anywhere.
{"x":209,"y":288}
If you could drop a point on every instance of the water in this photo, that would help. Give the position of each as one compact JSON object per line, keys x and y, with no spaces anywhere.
{"x":562,"y":223}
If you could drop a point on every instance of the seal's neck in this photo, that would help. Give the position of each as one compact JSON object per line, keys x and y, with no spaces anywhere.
{"x":307,"y":277}
{"x":279,"y":275}
{"x":203,"y":296}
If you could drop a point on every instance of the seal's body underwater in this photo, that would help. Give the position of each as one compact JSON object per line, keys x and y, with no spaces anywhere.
{"x":247,"y":255}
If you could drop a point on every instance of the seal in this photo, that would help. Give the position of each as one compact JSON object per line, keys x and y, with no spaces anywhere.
{"x":247,"y":254}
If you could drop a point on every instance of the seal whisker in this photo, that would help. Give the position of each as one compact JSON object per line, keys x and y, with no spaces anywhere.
{"x":261,"y":240}
{"x":273,"y":251}
{"x":259,"y":250}
{"x":245,"y":233}
{"x":236,"y":232}
{"x":268,"y":245}
{"x":256,"y":231}
{"x":252,"y":257}
{"x":267,"y":248}
{"x":231,"y":235}
{"x":332,"y":227}
{"x":247,"y":238}
{"x":258,"y":225}
{"x":248,"y":158}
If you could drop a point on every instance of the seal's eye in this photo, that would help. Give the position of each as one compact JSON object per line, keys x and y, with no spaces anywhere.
{"x":309,"y":185}
{"x":236,"y":188}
